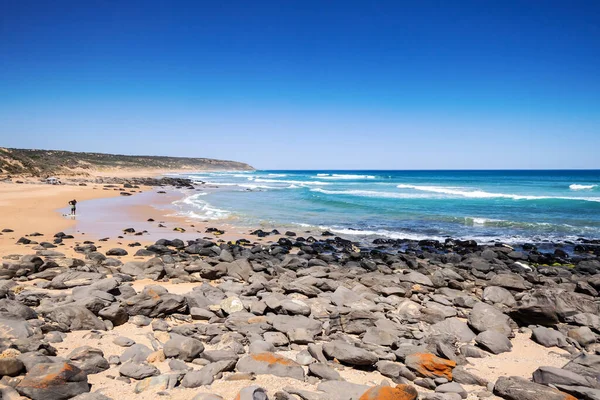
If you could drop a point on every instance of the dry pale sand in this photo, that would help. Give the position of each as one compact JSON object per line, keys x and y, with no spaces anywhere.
{"x":104,"y":382}
{"x":522,"y":361}
{"x":32,"y":208}
{"x":526,"y":356}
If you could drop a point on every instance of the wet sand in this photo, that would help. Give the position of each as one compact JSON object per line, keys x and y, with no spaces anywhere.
{"x":102,"y":213}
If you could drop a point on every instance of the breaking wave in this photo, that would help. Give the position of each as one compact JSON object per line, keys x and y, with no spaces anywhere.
{"x":576,"y":186}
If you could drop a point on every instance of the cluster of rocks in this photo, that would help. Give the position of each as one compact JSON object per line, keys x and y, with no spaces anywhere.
{"x":130,"y":183}
{"x":417,"y":316}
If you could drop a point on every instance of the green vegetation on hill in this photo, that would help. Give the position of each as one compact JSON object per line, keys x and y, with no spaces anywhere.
{"x":56,"y":162}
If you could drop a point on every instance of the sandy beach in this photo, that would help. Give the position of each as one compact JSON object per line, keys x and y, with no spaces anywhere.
{"x":34,"y":207}
{"x":36,"y":211}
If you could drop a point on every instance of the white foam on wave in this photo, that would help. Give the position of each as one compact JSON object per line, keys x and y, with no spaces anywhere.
{"x":344,"y":176}
{"x":278,"y":175}
{"x":482,"y":221}
{"x":480,"y":194}
{"x":193,"y":207}
{"x":382,"y":233}
{"x":290,"y":181}
{"x":576,"y":186}
{"x":221,"y":183}
{"x":251,"y":186}
{"x":369,"y":193}
{"x":416,"y":236}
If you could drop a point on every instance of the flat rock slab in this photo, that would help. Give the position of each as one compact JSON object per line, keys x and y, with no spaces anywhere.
{"x":268,"y":363}
{"x":515,"y":388}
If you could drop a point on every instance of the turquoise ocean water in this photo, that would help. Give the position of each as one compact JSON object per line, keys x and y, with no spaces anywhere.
{"x":511,"y":206}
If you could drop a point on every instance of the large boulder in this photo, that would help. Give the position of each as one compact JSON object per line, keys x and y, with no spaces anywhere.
{"x":484,"y":317}
{"x":549,"y":306}
{"x":155,"y":301}
{"x":75,"y":318}
{"x":54,"y":381}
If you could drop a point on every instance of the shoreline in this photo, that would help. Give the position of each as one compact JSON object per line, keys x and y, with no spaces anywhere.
{"x":33,"y":207}
{"x":304,"y":303}
{"x":111,"y":213}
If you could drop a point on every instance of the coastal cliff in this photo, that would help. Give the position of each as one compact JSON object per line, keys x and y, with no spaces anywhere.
{"x":57,"y":162}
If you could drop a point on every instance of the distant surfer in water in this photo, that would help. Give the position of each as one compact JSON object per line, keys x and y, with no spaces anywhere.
{"x":73,"y":204}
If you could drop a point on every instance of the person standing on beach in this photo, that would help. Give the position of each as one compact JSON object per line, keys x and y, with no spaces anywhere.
{"x":73,"y":204}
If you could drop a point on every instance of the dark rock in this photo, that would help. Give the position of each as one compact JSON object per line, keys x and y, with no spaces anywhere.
{"x":493,"y":342}
{"x":56,"y":381}
{"x":559,"y":376}
{"x":270,"y":364}
{"x":138,"y":370}
{"x":349,"y":354}
{"x":75,"y":318}
{"x":184,"y":348}
{"x":549,"y":306}
{"x":116,"y":252}
{"x":515,"y":388}
{"x":89,"y":359}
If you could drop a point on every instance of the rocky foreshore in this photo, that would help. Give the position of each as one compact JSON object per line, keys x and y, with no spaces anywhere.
{"x":300,"y":318}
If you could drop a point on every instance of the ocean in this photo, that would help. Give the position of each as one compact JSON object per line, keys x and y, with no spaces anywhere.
{"x":508,"y":206}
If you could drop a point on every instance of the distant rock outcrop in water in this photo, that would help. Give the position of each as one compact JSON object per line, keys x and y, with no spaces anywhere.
{"x":57,"y":162}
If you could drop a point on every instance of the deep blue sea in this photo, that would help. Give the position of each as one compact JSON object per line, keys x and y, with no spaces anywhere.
{"x":510,"y":206}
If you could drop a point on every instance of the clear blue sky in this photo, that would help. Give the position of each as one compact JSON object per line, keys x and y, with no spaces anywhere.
{"x":307,"y":84}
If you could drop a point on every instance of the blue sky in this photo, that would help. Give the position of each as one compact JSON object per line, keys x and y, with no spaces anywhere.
{"x":307,"y":84}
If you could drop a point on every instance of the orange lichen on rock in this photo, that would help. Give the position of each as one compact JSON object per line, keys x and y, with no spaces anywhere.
{"x":430,"y":366}
{"x":400,"y":392}
{"x":52,"y":378}
{"x":153,"y":294}
{"x":257,"y":319}
{"x":272,"y":358}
